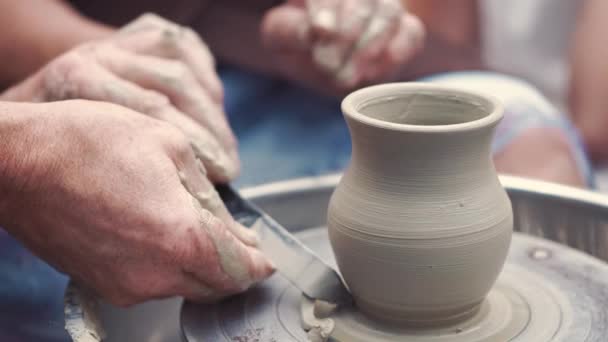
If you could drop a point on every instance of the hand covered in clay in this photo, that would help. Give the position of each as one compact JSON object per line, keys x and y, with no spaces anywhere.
{"x":120,"y":202}
{"x":154,"y":67}
{"x":342,"y":44}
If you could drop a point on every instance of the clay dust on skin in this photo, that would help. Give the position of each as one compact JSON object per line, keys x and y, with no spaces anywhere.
{"x":228,"y":253}
{"x":231,"y":259}
{"x":326,"y":54}
{"x":376,"y":28}
{"x":332,"y":56}
{"x":211,"y":201}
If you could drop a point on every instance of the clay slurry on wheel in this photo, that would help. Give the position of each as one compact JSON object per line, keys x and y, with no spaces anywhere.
{"x":293,"y":259}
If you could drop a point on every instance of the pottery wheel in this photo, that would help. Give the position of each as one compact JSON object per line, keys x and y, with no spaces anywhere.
{"x":546,"y":292}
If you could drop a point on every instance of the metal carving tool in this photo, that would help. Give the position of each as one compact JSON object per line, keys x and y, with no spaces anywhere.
{"x":296,"y":262}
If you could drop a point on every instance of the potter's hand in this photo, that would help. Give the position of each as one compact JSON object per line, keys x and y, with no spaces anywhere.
{"x":154,"y":67}
{"x":120,"y":202}
{"x":342,"y":44}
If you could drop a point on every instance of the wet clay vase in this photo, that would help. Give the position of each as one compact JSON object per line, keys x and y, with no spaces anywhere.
{"x":420,"y":224}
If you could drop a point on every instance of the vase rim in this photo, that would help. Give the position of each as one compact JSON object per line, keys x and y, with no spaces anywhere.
{"x":352,"y":104}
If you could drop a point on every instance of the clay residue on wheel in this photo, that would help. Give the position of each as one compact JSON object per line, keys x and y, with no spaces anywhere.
{"x":321,"y":331}
{"x":81,"y":320}
{"x":316,"y":322}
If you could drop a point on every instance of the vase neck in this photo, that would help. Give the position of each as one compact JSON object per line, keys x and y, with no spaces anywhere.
{"x":384,"y":153}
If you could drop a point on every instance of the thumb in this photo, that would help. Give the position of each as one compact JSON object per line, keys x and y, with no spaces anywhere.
{"x":286,"y":27}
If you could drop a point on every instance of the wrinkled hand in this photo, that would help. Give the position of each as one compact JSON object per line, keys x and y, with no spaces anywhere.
{"x":342,"y":44}
{"x":152,"y":66}
{"x":120,"y":202}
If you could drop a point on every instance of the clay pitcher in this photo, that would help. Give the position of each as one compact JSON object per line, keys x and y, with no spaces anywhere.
{"x":420,"y":224}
